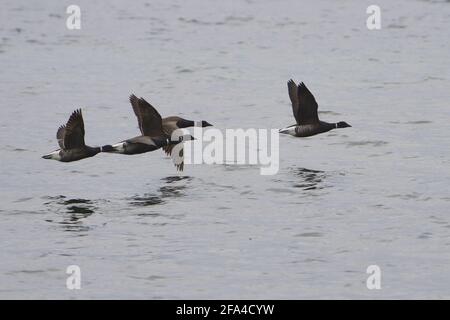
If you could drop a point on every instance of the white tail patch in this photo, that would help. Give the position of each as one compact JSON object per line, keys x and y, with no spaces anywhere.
{"x":55,"y":155}
{"x":119,"y":147}
{"x":288,"y":130}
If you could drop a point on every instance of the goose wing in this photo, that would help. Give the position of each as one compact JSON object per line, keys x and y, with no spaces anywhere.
{"x":71,"y":135}
{"x":307,"y":111}
{"x":149,"y":119}
{"x":168,"y":150}
{"x":60,"y":136}
{"x":293,"y":91}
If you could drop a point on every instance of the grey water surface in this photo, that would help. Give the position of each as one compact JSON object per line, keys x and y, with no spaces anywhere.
{"x":374,"y":194}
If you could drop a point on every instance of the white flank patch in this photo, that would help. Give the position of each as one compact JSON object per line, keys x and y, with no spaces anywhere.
{"x":119,"y":147}
{"x":288,"y":130}
{"x":55,"y":155}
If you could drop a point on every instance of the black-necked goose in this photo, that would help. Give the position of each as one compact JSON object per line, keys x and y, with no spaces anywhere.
{"x":173,"y":123}
{"x":153,"y":136}
{"x":71,"y":141}
{"x":304,"y":106}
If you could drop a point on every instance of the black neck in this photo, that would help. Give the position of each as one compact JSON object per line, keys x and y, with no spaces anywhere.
{"x":94,"y":150}
{"x":328,"y":126}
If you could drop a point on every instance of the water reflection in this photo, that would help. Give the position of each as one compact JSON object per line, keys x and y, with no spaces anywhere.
{"x":309,"y":179}
{"x":71,"y":211}
{"x":147,"y":199}
{"x":172,"y":187}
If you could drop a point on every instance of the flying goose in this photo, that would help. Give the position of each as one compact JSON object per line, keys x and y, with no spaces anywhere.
{"x":305,"y":107}
{"x":173,"y":123}
{"x":152,"y":135}
{"x":71,"y":141}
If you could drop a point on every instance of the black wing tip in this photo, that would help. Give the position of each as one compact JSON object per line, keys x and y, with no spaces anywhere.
{"x":180,"y":166}
{"x":75,"y":114}
{"x":143,"y":100}
{"x":303,"y":88}
{"x":133,"y":97}
{"x":76,"y":111}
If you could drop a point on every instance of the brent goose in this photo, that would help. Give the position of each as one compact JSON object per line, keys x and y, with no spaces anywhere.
{"x":153,"y":136}
{"x":170,"y":124}
{"x":71,"y":141}
{"x":305,"y":107}
{"x":173,"y":123}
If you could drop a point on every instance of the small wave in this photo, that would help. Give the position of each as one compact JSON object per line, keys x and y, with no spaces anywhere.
{"x":230,"y":20}
{"x":72,"y":211}
{"x":145,"y":200}
{"x":173,"y":179}
{"x":310,"y":179}
{"x":396,"y":26}
{"x":309,"y":234}
{"x":419,"y":122}
{"x":373,"y":143}
{"x":183,"y":70}
{"x":333,"y":113}
{"x":281,"y":190}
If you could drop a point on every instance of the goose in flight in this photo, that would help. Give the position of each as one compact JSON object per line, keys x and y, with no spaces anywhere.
{"x":304,"y":107}
{"x":174,"y":123}
{"x":71,"y":141}
{"x":152,"y":135}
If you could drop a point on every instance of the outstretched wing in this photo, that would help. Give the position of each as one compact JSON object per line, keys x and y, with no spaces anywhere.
{"x":149,"y":119}
{"x":307,"y":111}
{"x":293,"y":90}
{"x":60,"y":136}
{"x":168,"y":150}
{"x":73,"y":133}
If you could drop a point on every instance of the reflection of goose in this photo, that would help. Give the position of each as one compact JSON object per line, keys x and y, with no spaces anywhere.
{"x":169,"y":190}
{"x":78,"y":208}
{"x":71,"y":141}
{"x":172,"y":191}
{"x":311,"y":179}
{"x":173,"y":179}
{"x":75,"y":211}
{"x":145,"y":200}
{"x":305,"y":107}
